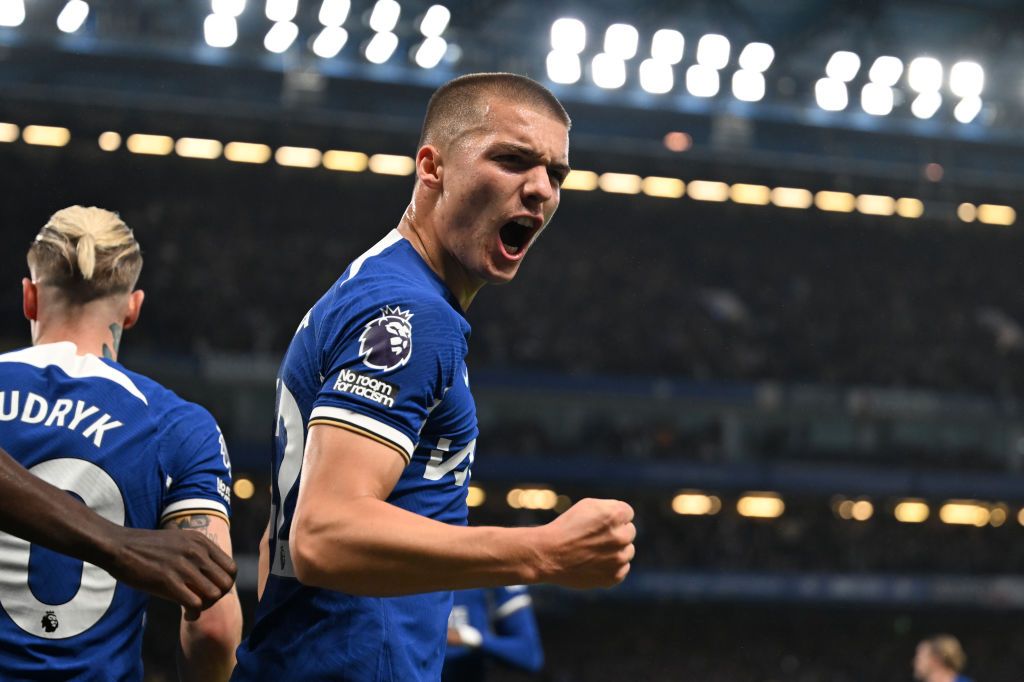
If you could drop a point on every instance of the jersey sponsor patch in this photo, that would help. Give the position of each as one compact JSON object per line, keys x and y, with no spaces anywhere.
{"x":386,"y":341}
{"x":380,"y":392}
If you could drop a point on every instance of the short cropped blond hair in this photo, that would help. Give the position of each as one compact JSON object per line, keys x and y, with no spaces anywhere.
{"x":86,"y":253}
{"x":947,"y":649}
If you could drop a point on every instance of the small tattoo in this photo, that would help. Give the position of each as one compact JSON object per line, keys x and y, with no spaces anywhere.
{"x":115,"y":332}
{"x":198,"y":522}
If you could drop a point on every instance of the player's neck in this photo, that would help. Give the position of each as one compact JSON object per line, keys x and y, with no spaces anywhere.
{"x":90,"y":336}
{"x":430,"y":249}
{"x":942,"y":676}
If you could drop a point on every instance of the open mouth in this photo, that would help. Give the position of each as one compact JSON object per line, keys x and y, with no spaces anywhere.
{"x":515,"y":235}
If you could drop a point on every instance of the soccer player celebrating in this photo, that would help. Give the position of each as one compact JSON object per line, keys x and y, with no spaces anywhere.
{"x":131,"y":450}
{"x":376,"y":427}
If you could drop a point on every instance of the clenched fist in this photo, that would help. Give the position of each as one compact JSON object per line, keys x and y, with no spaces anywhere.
{"x":590,"y":545}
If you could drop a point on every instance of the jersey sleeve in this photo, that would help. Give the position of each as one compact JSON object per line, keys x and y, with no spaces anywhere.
{"x":198,"y":468}
{"x":386,"y":368}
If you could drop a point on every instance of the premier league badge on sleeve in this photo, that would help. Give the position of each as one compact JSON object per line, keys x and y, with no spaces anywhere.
{"x":386,"y":341}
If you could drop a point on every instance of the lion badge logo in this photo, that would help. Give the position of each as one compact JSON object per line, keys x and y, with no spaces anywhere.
{"x":386,"y":341}
{"x":49,"y":622}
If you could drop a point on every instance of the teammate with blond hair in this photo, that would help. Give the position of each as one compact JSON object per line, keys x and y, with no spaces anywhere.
{"x":940,"y":658}
{"x":132,"y":451}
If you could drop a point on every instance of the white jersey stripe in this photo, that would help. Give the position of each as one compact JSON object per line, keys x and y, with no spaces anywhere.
{"x":194,"y":503}
{"x":64,"y":354}
{"x":388,"y":433}
{"x":392,"y":237}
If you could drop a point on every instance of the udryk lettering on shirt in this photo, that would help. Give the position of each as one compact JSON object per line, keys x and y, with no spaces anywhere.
{"x":354,"y":383}
{"x":75,"y":415}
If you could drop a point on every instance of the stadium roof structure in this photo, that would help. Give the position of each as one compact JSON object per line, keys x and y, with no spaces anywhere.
{"x":154,"y":64}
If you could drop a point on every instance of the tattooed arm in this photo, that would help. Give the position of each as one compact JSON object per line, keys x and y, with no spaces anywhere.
{"x":207,"y":647}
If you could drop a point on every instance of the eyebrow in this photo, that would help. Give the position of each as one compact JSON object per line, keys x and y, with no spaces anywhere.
{"x":562,"y":168}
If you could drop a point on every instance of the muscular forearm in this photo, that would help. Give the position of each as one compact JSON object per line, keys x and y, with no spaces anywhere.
{"x":369,"y":547}
{"x":42,"y":514}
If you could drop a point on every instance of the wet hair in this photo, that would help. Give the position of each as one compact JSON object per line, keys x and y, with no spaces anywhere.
{"x":458,"y":105}
{"x":86,"y":253}
{"x":948,"y":650}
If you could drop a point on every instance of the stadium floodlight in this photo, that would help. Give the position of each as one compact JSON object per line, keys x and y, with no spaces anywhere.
{"x":925,"y":75}
{"x":230,"y":8}
{"x":280,"y":36}
{"x":384,"y":16}
{"x":12,"y":12}
{"x":926,"y":104}
{"x":430,"y":52}
{"x":334,"y":12}
{"x":877,"y":99}
{"x":967,"y":109}
{"x":831,"y":94}
{"x":967,"y":79}
{"x":568,"y":35}
{"x":621,"y":41}
{"x":330,"y":41}
{"x":702,"y":81}
{"x":713,"y":51}
{"x":843,"y":66}
{"x":73,"y":16}
{"x":381,"y":47}
{"x":435,"y":21}
{"x":608,"y":72}
{"x":667,"y":46}
{"x":220,"y":30}
{"x":886,"y":71}
{"x":748,"y":86}
{"x":656,"y":76}
{"x":280,"y":11}
{"x":757,"y":57}
{"x":564,"y":67}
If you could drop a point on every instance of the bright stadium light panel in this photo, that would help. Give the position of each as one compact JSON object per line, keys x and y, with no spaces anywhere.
{"x":656,"y":76}
{"x":925,"y":75}
{"x":748,"y":86}
{"x":330,"y":41}
{"x":667,"y":46}
{"x":229,"y":8}
{"x":568,"y":35}
{"x":886,"y":71}
{"x":621,"y":40}
{"x":564,"y":67}
{"x":967,"y":109}
{"x":381,"y":47}
{"x":926,"y":104}
{"x":430,"y":52}
{"x":282,"y":10}
{"x":702,"y":81}
{"x":757,"y":57}
{"x":73,"y":16}
{"x":843,"y":66}
{"x":334,"y":12}
{"x":12,"y":12}
{"x":46,"y":136}
{"x":384,"y":16}
{"x":280,"y":36}
{"x":967,"y":79}
{"x":435,"y":21}
{"x":713,"y":51}
{"x":877,"y":99}
{"x":608,"y":72}
{"x":831,"y":94}
{"x":220,"y":30}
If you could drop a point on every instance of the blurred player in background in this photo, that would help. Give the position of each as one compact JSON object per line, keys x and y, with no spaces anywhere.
{"x":940,"y":659}
{"x":185,"y":568}
{"x":128,"y":448}
{"x":375,"y":413}
{"x":495,"y":624}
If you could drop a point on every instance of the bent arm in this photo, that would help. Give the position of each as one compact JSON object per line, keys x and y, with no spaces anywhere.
{"x":188,"y":570}
{"x":346,"y":537}
{"x":208,"y":643}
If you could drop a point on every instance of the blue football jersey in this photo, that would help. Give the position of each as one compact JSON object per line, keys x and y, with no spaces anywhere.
{"x":132,"y":451}
{"x":382,"y":354}
{"x":501,"y":626}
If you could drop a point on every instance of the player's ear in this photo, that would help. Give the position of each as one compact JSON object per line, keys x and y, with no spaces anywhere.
{"x":134,"y":308}
{"x":29,"y":299}
{"x":429,"y":166}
